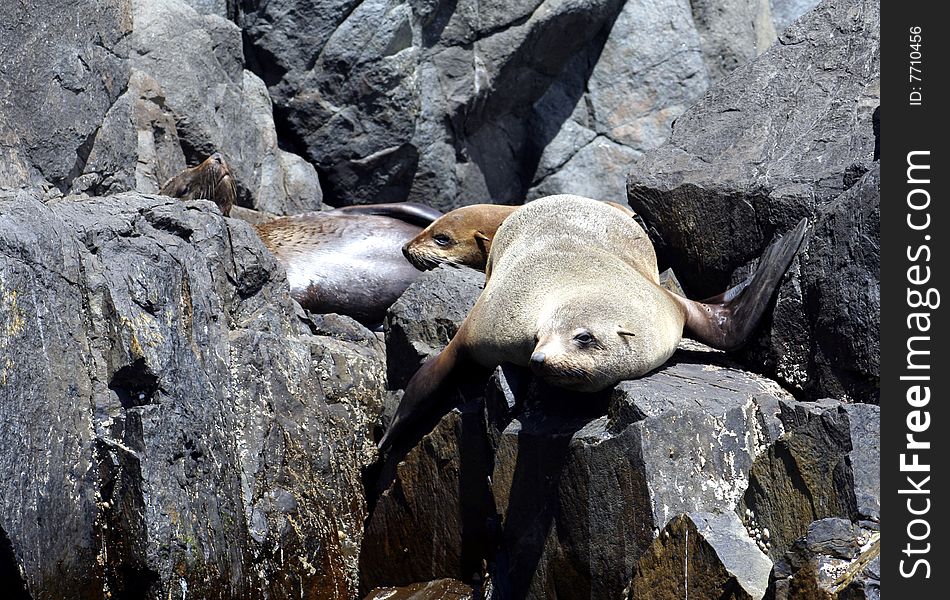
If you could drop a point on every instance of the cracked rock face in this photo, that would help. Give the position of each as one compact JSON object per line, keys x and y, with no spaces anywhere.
{"x":183,"y":427}
{"x":788,"y":135}
{"x":454,"y":103}
{"x":60,"y":76}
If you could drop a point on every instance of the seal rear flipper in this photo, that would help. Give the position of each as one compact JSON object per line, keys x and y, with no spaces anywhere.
{"x":726,"y":321}
{"x":413,"y":213}
{"x":423,"y":392}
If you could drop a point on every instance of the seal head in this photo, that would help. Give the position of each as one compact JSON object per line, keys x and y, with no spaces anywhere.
{"x":210,"y":180}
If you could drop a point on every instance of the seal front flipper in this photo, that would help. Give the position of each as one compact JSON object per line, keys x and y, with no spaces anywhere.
{"x":728,"y":323}
{"x":423,"y":392}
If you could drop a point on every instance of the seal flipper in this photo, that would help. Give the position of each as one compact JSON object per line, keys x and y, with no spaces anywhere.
{"x":423,"y":390}
{"x":413,"y":213}
{"x":726,"y":321}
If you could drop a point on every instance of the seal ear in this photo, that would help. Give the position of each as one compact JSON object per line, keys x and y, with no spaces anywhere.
{"x":627,"y":332}
{"x":482,"y":237}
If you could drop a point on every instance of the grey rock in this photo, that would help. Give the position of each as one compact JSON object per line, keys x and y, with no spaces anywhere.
{"x":564,"y":471}
{"x":719,"y":190}
{"x":453,"y":103}
{"x":424,"y":319}
{"x":743,"y":183}
{"x":440,"y":589}
{"x":833,"y":536}
{"x":199,"y":435}
{"x":835,"y":559}
{"x":198,"y":62}
{"x":733,"y":32}
{"x":434,"y":518}
{"x":823,"y":336}
{"x":137,"y":147}
{"x":865,"y":424}
{"x":222,"y":8}
{"x":803,"y":476}
{"x":60,"y":76}
{"x":785,"y":12}
{"x":720,"y":561}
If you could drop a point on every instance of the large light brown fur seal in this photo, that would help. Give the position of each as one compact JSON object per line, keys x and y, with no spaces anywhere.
{"x":210,"y":180}
{"x":348,"y":260}
{"x":572,"y":291}
{"x":463,"y":236}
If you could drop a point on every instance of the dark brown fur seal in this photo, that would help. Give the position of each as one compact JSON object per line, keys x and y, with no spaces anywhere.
{"x":572,"y":291}
{"x":348,"y":260}
{"x":210,"y":180}
{"x":463,"y":236}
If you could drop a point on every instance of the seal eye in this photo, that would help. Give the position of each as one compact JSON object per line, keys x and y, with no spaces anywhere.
{"x":584,"y":338}
{"x":441,"y":239}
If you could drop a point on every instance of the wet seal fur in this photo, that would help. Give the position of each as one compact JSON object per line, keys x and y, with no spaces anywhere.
{"x":210,"y":180}
{"x":348,"y":260}
{"x":463,"y":236}
{"x":572,"y":291}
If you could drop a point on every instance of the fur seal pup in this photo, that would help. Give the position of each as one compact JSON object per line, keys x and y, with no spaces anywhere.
{"x":463,"y":236}
{"x":572,"y":292}
{"x":348,"y":260}
{"x":210,"y":180}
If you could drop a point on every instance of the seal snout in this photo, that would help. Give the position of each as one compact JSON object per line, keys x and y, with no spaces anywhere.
{"x":537,"y":361}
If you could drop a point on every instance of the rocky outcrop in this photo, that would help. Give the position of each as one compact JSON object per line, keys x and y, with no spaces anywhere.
{"x":719,"y":190}
{"x":530,"y":479}
{"x":174,"y":424}
{"x":183,"y":429}
{"x":460,"y":102}
{"x":197,"y":62}
{"x":441,"y":589}
{"x":426,"y":317}
{"x":60,"y":76}
{"x":719,"y":561}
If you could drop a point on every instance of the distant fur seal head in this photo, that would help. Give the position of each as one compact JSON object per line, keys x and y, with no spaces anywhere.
{"x":210,"y":180}
{"x":463,"y":237}
{"x":572,"y":291}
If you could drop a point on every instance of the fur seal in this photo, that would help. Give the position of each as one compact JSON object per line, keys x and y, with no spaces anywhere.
{"x":348,"y":260}
{"x":572,"y":292}
{"x":463,"y":236}
{"x":210,"y":180}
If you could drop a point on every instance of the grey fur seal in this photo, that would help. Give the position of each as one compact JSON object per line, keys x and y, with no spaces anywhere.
{"x":572,"y":291}
{"x":210,"y":180}
{"x":348,"y":260}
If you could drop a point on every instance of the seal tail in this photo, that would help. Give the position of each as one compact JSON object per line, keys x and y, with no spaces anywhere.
{"x":726,"y":321}
{"x":422,"y":391}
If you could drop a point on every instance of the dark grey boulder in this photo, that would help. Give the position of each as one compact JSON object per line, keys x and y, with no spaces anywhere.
{"x":60,"y":76}
{"x":834,"y":559}
{"x":816,"y":470}
{"x":182,"y":433}
{"x":426,"y":317}
{"x":719,"y":190}
{"x":701,"y":555}
{"x":565,"y":471}
{"x":453,"y":103}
